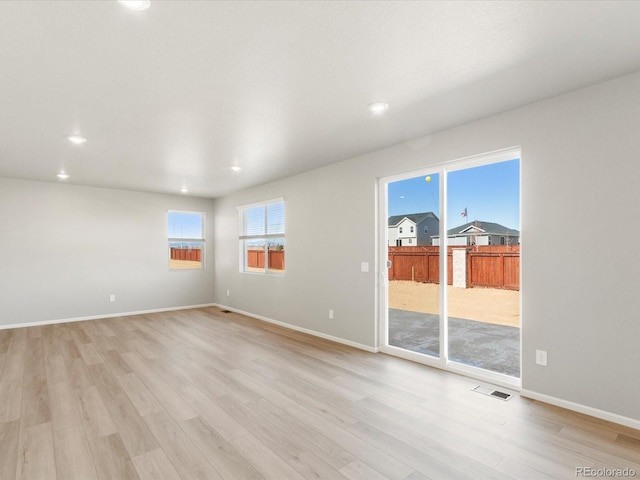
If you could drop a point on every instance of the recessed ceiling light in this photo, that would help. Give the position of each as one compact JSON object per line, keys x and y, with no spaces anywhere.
{"x":63,"y":176}
{"x":236,"y":168}
{"x":76,"y":139}
{"x":378,"y":107}
{"x":184,"y":190}
{"x":135,"y":4}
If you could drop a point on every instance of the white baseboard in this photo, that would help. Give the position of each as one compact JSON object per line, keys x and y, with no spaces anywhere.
{"x":105,"y":315}
{"x":577,"y":407}
{"x":303,"y":330}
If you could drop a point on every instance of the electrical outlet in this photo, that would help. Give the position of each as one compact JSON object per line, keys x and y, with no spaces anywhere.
{"x":331,"y":314}
{"x":541,"y":357}
{"x":112,"y":298}
{"x":228,"y":292}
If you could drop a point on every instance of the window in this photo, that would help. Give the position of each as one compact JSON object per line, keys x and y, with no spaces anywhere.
{"x":400,"y":229}
{"x":411,"y":228}
{"x":186,"y":240}
{"x":262,"y":237}
{"x":426,"y":229}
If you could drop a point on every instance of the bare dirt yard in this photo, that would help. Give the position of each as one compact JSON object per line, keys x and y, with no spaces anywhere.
{"x":489,"y":305}
{"x":183,"y":264}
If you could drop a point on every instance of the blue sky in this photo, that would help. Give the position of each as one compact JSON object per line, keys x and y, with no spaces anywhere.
{"x":185,"y":225}
{"x":490,"y":193}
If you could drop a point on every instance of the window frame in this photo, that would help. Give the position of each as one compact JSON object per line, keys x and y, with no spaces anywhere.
{"x":243,"y":237}
{"x":201,"y":241}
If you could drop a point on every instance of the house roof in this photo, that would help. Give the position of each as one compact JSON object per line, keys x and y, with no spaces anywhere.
{"x":484,"y":227}
{"x":414,"y":217}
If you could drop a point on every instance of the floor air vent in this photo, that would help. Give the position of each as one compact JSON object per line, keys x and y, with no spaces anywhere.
{"x":492,"y":393}
{"x":225,"y":311}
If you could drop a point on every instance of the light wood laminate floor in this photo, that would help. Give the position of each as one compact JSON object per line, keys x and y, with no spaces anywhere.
{"x":201,"y":394}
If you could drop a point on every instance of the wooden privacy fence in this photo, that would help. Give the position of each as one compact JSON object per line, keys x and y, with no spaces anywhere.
{"x":255,"y":259}
{"x":495,"y":266}
{"x":192,"y":254}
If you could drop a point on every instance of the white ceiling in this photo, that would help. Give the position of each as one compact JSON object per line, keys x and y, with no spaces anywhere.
{"x":178,"y":93}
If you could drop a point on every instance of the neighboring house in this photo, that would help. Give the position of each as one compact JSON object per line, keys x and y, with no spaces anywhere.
{"x":415,"y":229}
{"x":481,"y":233}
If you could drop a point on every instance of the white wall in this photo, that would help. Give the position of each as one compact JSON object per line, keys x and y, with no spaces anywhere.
{"x":579,"y":298}
{"x":64,"y":249}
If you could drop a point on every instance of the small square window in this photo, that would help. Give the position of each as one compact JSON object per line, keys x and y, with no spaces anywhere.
{"x":186,"y":240}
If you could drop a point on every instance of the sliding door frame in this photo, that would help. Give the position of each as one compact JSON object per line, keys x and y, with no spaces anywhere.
{"x":442,"y":169}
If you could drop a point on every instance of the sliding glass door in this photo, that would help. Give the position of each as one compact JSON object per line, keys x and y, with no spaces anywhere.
{"x":452,"y":249}
{"x":414,"y":264}
{"x":483,"y":235}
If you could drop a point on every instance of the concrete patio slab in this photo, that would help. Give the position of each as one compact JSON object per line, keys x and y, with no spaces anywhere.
{"x":484,"y":345}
